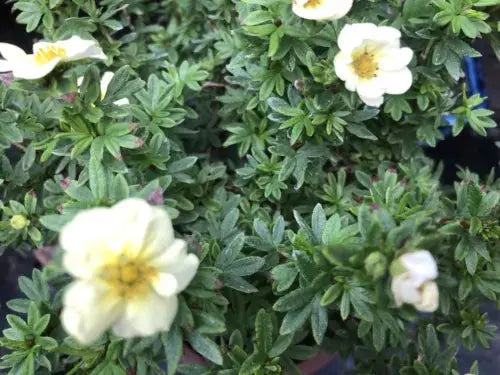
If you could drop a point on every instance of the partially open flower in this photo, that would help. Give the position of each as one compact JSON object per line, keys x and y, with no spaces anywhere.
{"x":412,"y":282}
{"x":128,"y":268}
{"x":372,"y":63}
{"x":321,"y":9}
{"x":105,"y":80}
{"x":46,"y":56}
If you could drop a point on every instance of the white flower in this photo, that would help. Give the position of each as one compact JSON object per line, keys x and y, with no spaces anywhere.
{"x":321,"y":9}
{"x":46,"y":56}
{"x":413,"y":282}
{"x":128,"y":268}
{"x":372,"y":62}
{"x":105,"y":80}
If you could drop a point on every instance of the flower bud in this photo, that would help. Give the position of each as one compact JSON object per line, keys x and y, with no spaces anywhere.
{"x":19,"y":222}
{"x":376,"y":264}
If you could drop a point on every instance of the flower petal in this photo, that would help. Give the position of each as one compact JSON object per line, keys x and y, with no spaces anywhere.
{"x":370,"y":88}
{"x":404,"y":289}
{"x":165,"y":284}
{"x":352,"y":36}
{"x":429,"y":297}
{"x":27,"y":68}
{"x":105,"y":80}
{"x":395,"y":58}
{"x":11,"y":52}
{"x":78,"y":48}
{"x":141,"y":227}
{"x":176,"y":261}
{"x":86,"y":242}
{"x":342,"y":64}
{"x":146,"y":316}
{"x":324,"y":10}
{"x":88,"y":311}
{"x":397,"y":82}
{"x":421,"y":265}
{"x":5,"y":66}
{"x":372,"y":102}
{"x":388,"y":35}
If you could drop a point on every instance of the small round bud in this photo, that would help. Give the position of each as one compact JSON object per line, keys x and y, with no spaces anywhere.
{"x":19,"y":222}
{"x":376,"y":264}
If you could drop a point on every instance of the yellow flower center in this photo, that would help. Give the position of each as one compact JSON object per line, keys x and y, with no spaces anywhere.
{"x":313,"y":4}
{"x":364,"y":64}
{"x":46,"y":54}
{"x":128,"y":277}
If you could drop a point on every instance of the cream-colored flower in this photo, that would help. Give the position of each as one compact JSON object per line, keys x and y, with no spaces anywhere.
{"x":412,"y":282}
{"x":128,"y":269}
{"x":105,"y":80}
{"x":321,"y":9}
{"x":372,"y":62}
{"x":46,"y":56}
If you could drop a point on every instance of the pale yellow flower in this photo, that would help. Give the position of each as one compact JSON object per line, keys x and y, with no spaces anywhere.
{"x":372,"y":62}
{"x":128,"y":268}
{"x":46,"y":56}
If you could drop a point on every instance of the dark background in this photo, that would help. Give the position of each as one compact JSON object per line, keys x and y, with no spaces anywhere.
{"x":467,"y":150}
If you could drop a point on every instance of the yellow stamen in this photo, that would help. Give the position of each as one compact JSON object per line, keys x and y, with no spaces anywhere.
{"x":128,"y":276}
{"x":365,"y":65}
{"x":46,"y":54}
{"x":313,"y":4}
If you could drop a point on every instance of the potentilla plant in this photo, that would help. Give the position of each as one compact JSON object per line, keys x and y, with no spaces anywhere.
{"x":238,"y":187}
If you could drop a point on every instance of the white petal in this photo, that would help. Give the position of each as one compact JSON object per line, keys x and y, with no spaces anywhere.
{"x":105,"y":80}
{"x":141,"y":227}
{"x":395,"y":58}
{"x":86,"y":242}
{"x":429,"y":297}
{"x":176,"y":261}
{"x":123,"y":101}
{"x":79,"y":81}
{"x":11,"y":52}
{"x":396,"y":82}
{"x":404,"y":289}
{"x":88,"y":311}
{"x":165,"y":284}
{"x":27,"y":68}
{"x":146,"y":316}
{"x":421,"y":265}
{"x":352,"y":36}
{"x":370,"y":88}
{"x":5,"y":66}
{"x":388,"y":35}
{"x":342,"y":64}
{"x":78,"y":48}
{"x":185,"y":271}
{"x":372,"y":102}
{"x":326,"y":10}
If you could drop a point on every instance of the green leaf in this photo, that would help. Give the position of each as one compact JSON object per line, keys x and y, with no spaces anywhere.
{"x":252,"y":364}
{"x":319,"y":320}
{"x":245,"y":266}
{"x":182,"y":164}
{"x":263,"y":331}
{"x":360,"y":131}
{"x":294,"y":300}
{"x":280,"y":345}
{"x":284,"y":276}
{"x":205,"y":346}
{"x":295,"y":319}
{"x":97,"y":179}
{"x":257,"y":17}
{"x":172,"y":342}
